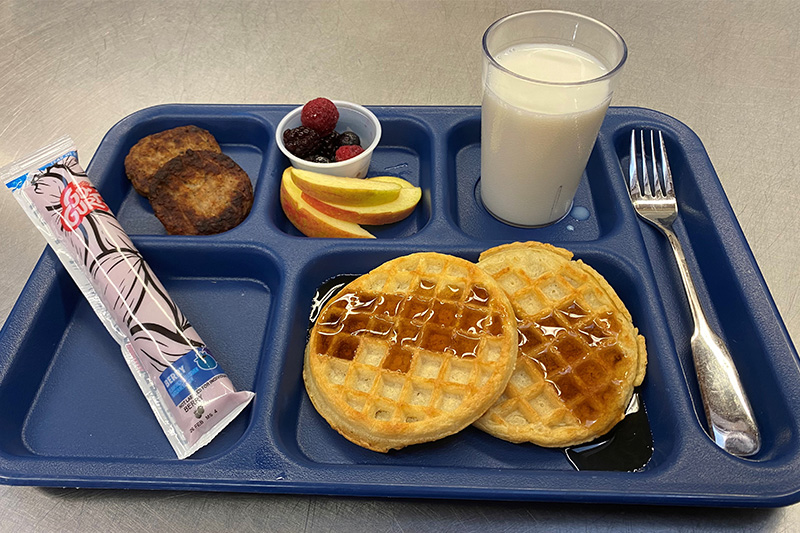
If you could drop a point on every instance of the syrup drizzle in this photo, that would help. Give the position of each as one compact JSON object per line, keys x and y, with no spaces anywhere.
{"x":627,"y":447}
{"x":422,"y":319}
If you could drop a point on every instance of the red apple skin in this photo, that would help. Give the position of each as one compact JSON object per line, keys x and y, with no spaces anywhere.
{"x":310,"y":221}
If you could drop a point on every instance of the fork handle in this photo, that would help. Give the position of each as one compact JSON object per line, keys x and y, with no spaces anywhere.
{"x":728,"y":411}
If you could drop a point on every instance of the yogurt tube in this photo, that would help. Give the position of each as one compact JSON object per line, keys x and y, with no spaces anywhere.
{"x":191,"y":396}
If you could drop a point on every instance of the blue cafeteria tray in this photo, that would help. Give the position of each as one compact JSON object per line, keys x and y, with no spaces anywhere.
{"x":72,"y":415}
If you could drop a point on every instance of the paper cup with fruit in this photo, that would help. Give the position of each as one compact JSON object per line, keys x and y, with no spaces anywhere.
{"x":329,"y":137}
{"x":330,"y":145}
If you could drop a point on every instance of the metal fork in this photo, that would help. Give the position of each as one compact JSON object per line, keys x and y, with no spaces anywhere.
{"x":728,"y":412}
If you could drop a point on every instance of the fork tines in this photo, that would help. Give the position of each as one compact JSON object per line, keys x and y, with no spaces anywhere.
{"x":661,"y":186}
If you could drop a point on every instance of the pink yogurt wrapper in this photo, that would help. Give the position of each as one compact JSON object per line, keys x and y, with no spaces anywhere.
{"x":191,"y":396}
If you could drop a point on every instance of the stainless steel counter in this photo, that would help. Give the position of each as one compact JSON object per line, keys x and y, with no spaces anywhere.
{"x":730,"y":70}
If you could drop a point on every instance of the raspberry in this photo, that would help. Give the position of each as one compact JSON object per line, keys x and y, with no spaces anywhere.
{"x":348,"y":151}
{"x":348,"y":138}
{"x":301,"y":141}
{"x":321,"y":115}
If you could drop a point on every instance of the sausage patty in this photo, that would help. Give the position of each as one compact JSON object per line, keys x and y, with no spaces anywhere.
{"x":201,"y":193}
{"x":149,"y":154}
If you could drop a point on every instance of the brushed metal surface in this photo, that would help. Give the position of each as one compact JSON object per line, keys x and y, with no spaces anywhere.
{"x":730,"y":70}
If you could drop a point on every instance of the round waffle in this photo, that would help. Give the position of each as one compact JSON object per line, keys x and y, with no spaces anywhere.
{"x":579,"y":354}
{"x":411,"y":352}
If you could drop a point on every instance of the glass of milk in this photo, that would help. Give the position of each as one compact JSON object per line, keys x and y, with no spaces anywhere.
{"x":548,"y":77}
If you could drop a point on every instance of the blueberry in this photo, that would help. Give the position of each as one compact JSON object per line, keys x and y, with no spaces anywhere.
{"x":349,"y":138}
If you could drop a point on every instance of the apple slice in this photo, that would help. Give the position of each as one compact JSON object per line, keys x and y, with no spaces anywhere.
{"x":393,"y":179}
{"x":310,"y":221}
{"x":373,"y":214}
{"x":345,"y":191}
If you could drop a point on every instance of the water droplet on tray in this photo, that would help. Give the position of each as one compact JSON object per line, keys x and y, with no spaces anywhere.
{"x":579,"y":213}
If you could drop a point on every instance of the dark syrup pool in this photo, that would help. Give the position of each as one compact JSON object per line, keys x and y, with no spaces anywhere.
{"x":626,"y":448}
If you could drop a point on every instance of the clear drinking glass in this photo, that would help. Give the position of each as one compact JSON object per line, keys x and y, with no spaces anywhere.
{"x":548,"y":77}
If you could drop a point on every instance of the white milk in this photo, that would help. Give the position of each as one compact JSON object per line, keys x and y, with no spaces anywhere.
{"x":537,"y":137}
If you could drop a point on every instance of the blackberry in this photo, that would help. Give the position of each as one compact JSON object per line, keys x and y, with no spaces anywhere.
{"x":328,"y":146}
{"x":301,"y":141}
{"x":349,"y":138}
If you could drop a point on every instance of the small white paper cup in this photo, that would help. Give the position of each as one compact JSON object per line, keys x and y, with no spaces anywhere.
{"x":352,"y":117}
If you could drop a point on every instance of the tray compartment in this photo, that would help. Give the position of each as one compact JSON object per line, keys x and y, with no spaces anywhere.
{"x":81,"y":401}
{"x":726,"y":298}
{"x":406,"y":151}
{"x":246,"y":138}
{"x":307,"y":437}
{"x":38,"y":336}
{"x":463,"y":175}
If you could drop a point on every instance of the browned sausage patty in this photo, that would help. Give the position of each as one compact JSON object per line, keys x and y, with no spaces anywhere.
{"x":201,"y":193}
{"x":149,"y":154}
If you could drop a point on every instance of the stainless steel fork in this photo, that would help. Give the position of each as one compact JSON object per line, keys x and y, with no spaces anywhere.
{"x":730,"y":418}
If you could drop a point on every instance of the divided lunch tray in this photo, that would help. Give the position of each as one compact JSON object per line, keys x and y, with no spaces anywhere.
{"x":72,"y":415}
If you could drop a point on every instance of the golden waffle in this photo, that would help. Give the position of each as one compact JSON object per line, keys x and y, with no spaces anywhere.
{"x":411,"y":352}
{"x":579,"y":354}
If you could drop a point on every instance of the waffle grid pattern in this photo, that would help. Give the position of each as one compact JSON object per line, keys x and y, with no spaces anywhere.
{"x":419,"y":343}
